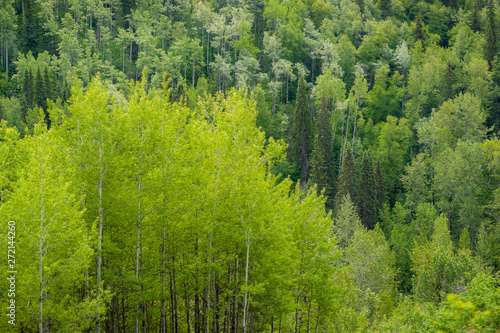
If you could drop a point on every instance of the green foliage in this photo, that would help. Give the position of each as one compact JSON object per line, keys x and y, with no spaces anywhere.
{"x":301,"y":133}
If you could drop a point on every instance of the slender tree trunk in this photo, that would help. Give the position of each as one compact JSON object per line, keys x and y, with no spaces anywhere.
{"x":137,"y":247}
{"x":245,"y":302}
{"x":40,"y":256}
{"x":163,"y":328}
{"x":99,"y":242}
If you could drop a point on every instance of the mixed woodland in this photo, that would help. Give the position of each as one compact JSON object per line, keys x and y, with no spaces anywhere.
{"x":251,"y":165}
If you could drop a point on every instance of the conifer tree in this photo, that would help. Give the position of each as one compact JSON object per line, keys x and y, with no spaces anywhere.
{"x":302,"y":136}
{"x":347,"y":221}
{"x":475,"y":23}
{"x":28,"y":92}
{"x":29,"y":29}
{"x":347,"y":176}
{"x":322,"y":157}
{"x":40,"y":90}
{"x":385,"y":8}
{"x":49,"y":84}
{"x":419,"y":32}
{"x":2,"y":111}
{"x":490,"y":34}
{"x":367,"y":192}
{"x":449,"y":92}
{"x":41,"y":95}
{"x":381,"y":188}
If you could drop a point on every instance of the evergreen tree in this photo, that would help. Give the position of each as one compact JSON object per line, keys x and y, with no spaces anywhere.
{"x":419,"y":33}
{"x":29,"y":27}
{"x":385,"y":8}
{"x":50,"y":90}
{"x":449,"y":92}
{"x":127,"y":7}
{"x":381,"y":188}
{"x":2,"y":111}
{"x":475,"y":23}
{"x":322,"y":157}
{"x":40,"y":90}
{"x":41,"y":94}
{"x":491,"y":47}
{"x":302,"y":135}
{"x":347,"y":176}
{"x":361,"y":5}
{"x":28,"y":92}
{"x":367,"y":191}
{"x":347,"y":221}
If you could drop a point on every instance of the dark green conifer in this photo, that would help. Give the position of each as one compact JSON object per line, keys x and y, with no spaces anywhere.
{"x":347,"y":177}
{"x":322,"y":157}
{"x":385,"y":8}
{"x":40,"y":90}
{"x":381,"y":188}
{"x":475,"y":21}
{"x":2,"y":111}
{"x":29,"y":27}
{"x":361,"y":4}
{"x":50,"y":90}
{"x":449,"y":92}
{"x":301,"y":134}
{"x":419,"y":33}
{"x":367,"y":191}
{"x":490,"y":34}
{"x":28,"y":92}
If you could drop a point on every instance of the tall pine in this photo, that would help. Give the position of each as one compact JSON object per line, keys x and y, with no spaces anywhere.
{"x":367,"y":191}
{"x":381,"y":187}
{"x":491,"y":47}
{"x":28,"y":92}
{"x":322,"y":156}
{"x":347,"y":177}
{"x":302,"y":136}
{"x":475,"y":17}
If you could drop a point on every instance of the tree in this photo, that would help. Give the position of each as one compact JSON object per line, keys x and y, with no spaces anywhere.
{"x":490,"y":33}
{"x":392,"y":150}
{"x":372,"y":262}
{"x":417,"y":182}
{"x":419,"y":30}
{"x":475,"y":23}
{"x":459,"y":184}
{"x":437,"y":269}
{"x":322,"y":157}
{"x":52,"y":237}
{"x":347,"y":221}
{"x":367,"y":189}
{"x":385,"y":8}
{"x":347,"y":182}
{"x":301,"y":134}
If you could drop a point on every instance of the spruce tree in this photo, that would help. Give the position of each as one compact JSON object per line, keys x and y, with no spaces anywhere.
{"x":475,"y":23}
{"x":385,"y":8}
{"x":347,"y":177}
{"x":367,"y":191}
{"x":40,"y":90}
{"x":381,"y":188}
{"x":2,"y":111}
{"x":449,"y":92}
{"x":29,"y":27}
{"x":419,"y":32}
{"x":41,"y":95}
{"x":28,"y":92}
{"x":490,"y":33}
{"x":50,"y":90}
{"x":322,"y":157}
{"x":301,"y":135}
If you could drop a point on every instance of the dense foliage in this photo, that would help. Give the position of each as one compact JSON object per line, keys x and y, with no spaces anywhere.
{"x":251,"y":165}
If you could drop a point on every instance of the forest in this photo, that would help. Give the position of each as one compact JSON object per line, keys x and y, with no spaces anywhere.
{"x":229,"y":166}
